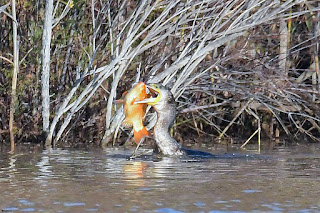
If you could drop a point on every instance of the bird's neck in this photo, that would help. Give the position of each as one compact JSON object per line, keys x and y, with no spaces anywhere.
{"x":166,"y":117}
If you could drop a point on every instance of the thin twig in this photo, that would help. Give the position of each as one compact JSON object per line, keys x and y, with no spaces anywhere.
{"x":235,"y":118}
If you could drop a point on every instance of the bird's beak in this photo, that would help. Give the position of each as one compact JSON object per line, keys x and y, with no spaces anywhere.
{"x":154,"y":92}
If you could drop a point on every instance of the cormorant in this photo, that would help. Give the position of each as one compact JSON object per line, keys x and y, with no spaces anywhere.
{"x":164,"y":104}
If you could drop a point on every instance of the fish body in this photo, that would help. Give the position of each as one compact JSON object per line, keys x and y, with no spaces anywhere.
{"x":134,"y":112}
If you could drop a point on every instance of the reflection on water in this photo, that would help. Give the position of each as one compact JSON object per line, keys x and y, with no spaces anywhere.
{"x":281,"y":179}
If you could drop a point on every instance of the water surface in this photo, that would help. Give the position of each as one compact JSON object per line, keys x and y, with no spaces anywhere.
{"x":281,"y":179}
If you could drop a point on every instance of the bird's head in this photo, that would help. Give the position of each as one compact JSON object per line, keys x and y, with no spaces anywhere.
{"x":160,"y":95}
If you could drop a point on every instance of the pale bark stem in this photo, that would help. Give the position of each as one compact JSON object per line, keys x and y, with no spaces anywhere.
{"x":45,"y":76}
{"x":15,"y":74}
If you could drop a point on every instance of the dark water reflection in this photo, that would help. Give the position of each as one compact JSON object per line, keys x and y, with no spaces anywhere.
{"x":283,"y":179}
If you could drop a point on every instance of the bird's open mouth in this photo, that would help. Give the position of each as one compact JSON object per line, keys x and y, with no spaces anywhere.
{"x":153,"y":91}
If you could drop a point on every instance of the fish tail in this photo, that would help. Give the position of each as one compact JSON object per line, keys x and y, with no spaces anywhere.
{"x":138,"y":135}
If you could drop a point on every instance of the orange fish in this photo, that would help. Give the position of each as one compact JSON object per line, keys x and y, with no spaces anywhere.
{"x":135,"y":112}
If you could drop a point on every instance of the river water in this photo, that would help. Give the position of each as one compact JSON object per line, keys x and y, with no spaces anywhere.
{"x":280,"y":179}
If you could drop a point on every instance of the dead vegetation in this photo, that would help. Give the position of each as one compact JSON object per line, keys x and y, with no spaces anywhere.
{"x":236,"y":68}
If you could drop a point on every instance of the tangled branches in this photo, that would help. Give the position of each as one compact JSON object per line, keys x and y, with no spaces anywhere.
{"x":199,"y":49}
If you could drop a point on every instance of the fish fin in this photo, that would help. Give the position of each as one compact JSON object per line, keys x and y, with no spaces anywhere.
{"x":119,"y":101}
{"x":125,"y":93}
{"x":138,"y":135}
{"x":126,"y":123}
